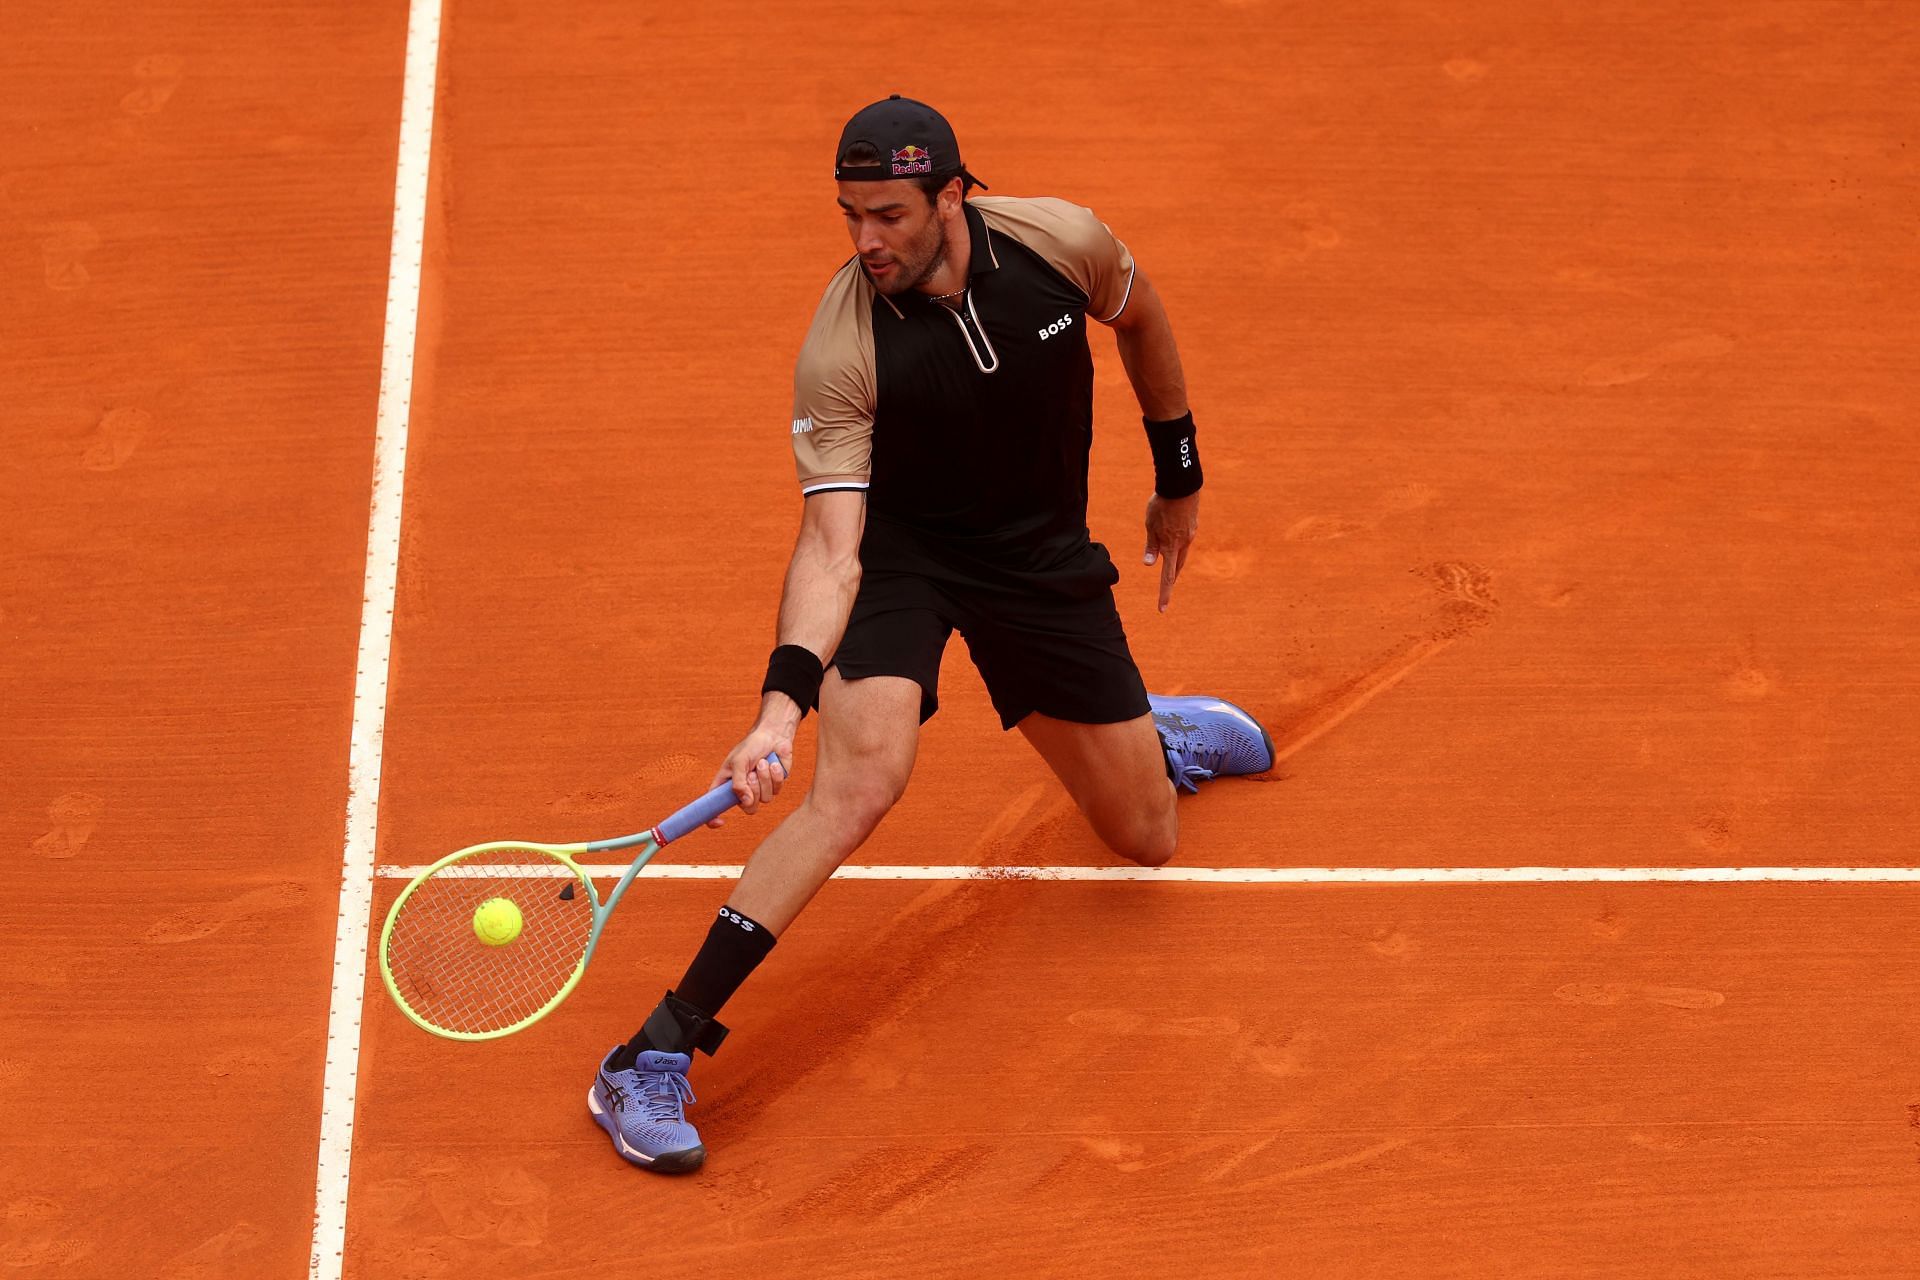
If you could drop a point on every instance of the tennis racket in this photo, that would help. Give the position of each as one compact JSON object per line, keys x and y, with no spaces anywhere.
{"x":452,"y":983}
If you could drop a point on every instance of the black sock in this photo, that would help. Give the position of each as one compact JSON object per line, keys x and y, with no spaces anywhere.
{"x":735,"y":946}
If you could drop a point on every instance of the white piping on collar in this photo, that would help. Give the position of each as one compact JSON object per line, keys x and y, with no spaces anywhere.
{"x":968,"y":335}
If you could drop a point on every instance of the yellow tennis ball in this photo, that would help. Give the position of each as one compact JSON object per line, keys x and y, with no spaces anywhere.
{"x":497,"y":922}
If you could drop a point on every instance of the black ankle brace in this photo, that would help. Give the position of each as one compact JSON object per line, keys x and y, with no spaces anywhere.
{"x":675,"y":1026}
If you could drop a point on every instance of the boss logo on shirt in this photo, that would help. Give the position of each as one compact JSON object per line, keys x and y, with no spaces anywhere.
{"x":1064,"y":322}
{"x":802,"y":425}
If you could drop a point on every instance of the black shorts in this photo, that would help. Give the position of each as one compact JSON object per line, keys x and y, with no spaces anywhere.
{"x":1063,"y":655}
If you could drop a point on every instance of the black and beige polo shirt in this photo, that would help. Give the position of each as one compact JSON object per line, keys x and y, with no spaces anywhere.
{"x":968,"y":429}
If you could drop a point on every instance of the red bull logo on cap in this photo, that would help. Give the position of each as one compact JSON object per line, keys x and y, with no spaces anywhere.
{"x":910,"y":160}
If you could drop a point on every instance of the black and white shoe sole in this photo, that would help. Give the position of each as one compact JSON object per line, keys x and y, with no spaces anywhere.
{"x":667,"y":1162}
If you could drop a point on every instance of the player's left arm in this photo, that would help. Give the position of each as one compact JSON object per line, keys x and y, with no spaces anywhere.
{"x":1145,"y":338}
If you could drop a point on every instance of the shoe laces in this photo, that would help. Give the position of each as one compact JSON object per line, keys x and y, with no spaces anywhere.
{"x":1194,"y":764}
{"x":664,"y":1094}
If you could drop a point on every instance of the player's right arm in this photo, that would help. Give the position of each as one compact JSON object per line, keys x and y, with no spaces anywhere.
{"x":833,"y":406}
{"x":822,"y":579}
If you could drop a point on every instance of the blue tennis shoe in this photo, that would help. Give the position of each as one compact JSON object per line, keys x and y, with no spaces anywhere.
{"x":1209,"y":738}
{"x":643,"y":1111}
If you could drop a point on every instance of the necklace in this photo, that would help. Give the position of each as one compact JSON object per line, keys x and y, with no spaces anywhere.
{"x":942,"y":297}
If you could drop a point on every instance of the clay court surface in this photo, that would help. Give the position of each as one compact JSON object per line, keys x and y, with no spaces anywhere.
{"x":1556,"y":381}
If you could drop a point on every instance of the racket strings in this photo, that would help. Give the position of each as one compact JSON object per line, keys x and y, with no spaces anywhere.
{"x":447,"y":977}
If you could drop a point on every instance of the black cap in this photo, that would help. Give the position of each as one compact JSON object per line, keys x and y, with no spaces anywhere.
{"x":912,"y":138}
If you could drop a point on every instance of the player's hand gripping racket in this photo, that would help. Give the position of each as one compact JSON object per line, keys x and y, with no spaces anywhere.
{"x":487,"y":941}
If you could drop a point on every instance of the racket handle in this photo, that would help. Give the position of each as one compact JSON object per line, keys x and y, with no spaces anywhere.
{"x":700,"y":812}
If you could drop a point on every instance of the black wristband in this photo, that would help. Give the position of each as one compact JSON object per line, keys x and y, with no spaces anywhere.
{"x":795,"y":671}
{"x":1176,"y":461}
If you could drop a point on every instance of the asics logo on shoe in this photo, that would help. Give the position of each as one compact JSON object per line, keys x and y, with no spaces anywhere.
{"x":1210,"y":736}
{"x":1175,"y":722}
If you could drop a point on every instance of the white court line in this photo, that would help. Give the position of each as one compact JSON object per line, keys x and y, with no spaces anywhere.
{"x":376,"y":642}
{"x":1257,"y":875}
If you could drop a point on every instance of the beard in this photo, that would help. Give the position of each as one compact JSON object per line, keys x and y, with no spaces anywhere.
{"x":917,"y":263}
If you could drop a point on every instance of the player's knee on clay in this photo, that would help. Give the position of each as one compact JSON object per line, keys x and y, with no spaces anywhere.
{"x":1147,"y":836}
{"x":1153,"y":848}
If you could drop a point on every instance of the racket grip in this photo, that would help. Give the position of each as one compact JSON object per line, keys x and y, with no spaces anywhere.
{"x":700,"y":812}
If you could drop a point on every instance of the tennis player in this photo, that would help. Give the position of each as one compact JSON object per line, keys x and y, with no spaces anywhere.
{"x":943,"y":409}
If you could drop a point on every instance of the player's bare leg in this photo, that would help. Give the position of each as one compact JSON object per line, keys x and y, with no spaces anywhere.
{"x":1122,"y":775}
{"x":1117,"y":774}
{"x":869,"y":732}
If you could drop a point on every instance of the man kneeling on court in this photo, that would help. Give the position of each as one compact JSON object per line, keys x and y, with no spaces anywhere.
{"x":943,"y":409}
